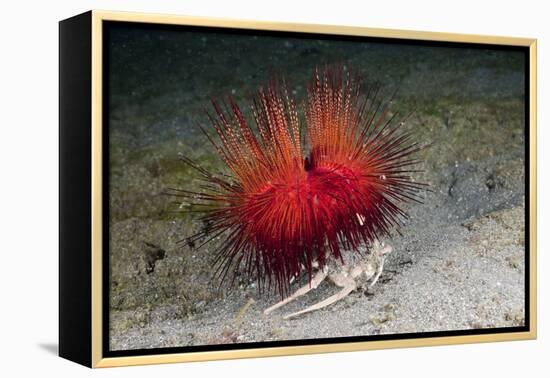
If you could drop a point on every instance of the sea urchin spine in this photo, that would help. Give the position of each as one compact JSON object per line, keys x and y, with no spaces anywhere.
{"x":280,"y":208}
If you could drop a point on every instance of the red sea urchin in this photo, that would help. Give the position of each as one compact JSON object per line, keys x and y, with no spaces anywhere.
{"x":280,"y":209}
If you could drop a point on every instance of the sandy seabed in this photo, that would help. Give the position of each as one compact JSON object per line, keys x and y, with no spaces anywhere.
{"x":459,"y":264}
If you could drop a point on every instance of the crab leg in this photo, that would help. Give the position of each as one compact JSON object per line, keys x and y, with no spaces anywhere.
{"x":316,"y":281}
{"x":378,"y":271}
{"x":385,"y":250}
{"x":348,"y":288}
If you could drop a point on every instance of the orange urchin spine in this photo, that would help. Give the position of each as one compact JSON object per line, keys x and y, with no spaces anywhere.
{"x":281,"y":209}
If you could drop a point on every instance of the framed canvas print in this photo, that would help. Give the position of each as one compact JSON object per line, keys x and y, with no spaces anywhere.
{"x":235,"y":189}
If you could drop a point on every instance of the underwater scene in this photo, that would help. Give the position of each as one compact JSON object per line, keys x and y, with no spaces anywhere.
{"x":276,"y":187}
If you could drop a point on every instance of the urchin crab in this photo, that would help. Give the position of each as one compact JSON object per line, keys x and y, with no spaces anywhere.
{"x":298,"y":193}
{"x":356,"y":272}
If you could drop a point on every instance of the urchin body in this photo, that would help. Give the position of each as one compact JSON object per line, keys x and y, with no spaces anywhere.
{"x":295,"y":196}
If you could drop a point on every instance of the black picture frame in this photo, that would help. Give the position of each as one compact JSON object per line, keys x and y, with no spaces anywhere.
{"x":84,"y":181}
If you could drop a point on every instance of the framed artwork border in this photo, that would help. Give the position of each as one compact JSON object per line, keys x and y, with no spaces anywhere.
{"x":83,"y":265}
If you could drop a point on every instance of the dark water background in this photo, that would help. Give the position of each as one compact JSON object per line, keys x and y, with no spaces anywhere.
{"x":161,"y":83}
